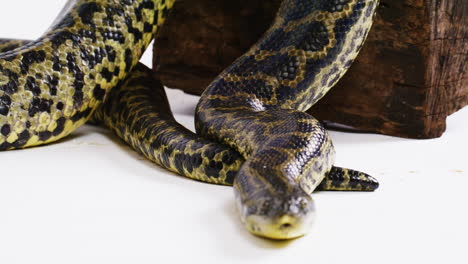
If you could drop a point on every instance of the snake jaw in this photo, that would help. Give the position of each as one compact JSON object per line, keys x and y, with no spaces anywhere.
{"x":280,"y":228}
{"x":278,"y":217}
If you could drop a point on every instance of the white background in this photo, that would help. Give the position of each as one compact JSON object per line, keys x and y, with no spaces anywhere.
{"x":90,"y":199}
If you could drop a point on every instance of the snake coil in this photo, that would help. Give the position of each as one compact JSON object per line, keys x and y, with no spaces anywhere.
{"x":253,"y":132}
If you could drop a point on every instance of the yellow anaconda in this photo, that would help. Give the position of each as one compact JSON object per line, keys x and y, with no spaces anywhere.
{"x":50,"y":86}
{"x":256,"y":107}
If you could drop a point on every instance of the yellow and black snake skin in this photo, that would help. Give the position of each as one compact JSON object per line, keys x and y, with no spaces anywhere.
{"x":50,"y":86}
{"x":256,"y":107}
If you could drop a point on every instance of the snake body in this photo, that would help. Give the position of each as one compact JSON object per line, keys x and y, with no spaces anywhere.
{"x":256,"y":107}
{"x":52,"y":85}
{"x":253,"y":133}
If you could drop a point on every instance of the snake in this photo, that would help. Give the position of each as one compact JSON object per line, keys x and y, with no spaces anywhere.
{"x":252,"y":131}
{"x":256,"y":106}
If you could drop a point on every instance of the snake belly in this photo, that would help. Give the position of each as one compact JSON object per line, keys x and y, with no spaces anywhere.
{"x":256,"y":107}
{"x":52,"y":85}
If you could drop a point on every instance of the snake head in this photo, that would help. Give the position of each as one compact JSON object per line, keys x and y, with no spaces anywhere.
{"x":277,"y":216}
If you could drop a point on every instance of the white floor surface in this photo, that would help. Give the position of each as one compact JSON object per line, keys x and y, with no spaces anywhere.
{"x":90,"y":199}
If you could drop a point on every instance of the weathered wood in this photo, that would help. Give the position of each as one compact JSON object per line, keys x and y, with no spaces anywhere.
{"x":202,"y":37}
{"x":411,"y":73}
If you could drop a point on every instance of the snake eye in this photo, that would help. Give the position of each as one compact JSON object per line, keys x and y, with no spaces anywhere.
{"x":265,"y":207}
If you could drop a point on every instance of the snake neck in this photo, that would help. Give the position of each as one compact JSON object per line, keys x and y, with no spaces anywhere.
{"x":283,"y":148}
{"x":288,"y":154}
{"x":51,"y":86}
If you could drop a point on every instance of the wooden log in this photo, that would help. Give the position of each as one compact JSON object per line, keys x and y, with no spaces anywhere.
{"x":202,"y":37}
{"x":410,"y":75}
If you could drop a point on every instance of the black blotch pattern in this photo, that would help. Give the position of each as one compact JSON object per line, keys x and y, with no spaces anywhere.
{"x":165,"y":160}
{"x":196,"y":160}
{"x":86,"y":12}
{"x":32,"y":86}
{"x":107,"y":74}
{"x":80,"y":115}
{"x":58,"y":38}
{"x":78,"y":81}
{"x":336,"y":176}
{"x":128,"y":2}
{"x":39,"y":105}
{"x":5,"y":102}
{"x":57,"y":65}
{"x":314,"y":37}
{"x":110,"y":12}
{"x":228,"y":158}
{"x":230,"y":176}
{"x":139,"y":9}
{"x":113,"y":35}
{"x":5,"y":130}
{"x":44,"y":135}
{"x":60,"y":106}
{"x":111,"y":55}
{"x":128,"y":59}
{"x":213,"y":169}
{"x":137,"y":34}
{"x":116,"y":71}
{"x":10,"y":87}
{"x":23,"y":138}
{"x":60,"y":126}
{"x":99,"y":93}
{"x":148,"y":27}
{"x":71,"y":62}
{"x":52,"y":82}
{"x":31,"y":57}
{"x":179,"y":161}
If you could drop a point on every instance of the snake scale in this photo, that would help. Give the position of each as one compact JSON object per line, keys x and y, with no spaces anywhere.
{"x":251,"y":129}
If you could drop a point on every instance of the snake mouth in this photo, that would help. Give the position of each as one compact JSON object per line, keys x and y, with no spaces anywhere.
{"x":280,"y":228}
{"x":288,"y":219}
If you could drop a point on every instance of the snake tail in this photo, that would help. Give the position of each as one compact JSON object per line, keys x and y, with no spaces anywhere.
{"x":341,"y":179}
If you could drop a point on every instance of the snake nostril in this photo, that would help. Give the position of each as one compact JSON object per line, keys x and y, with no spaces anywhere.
{"x":285,"y":226}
